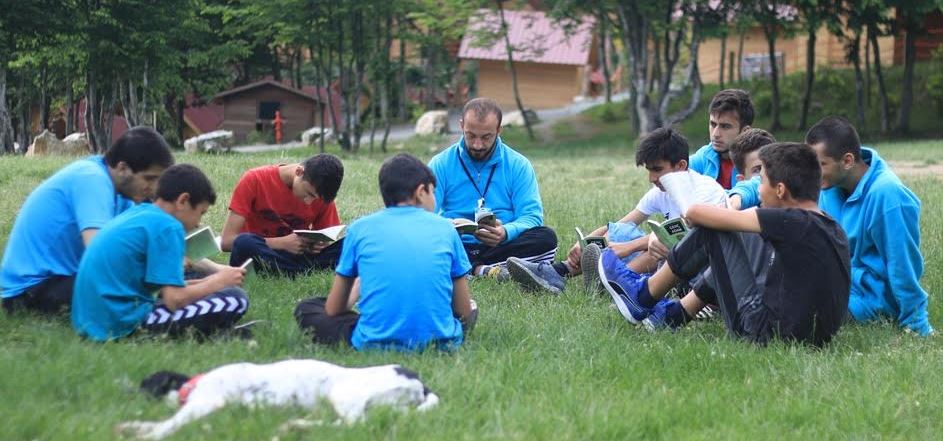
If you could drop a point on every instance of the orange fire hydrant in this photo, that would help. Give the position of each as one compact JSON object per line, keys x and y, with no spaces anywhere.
{"x":277,"y":122}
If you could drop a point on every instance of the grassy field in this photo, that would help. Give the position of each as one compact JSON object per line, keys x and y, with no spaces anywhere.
{"x":536,"y":367}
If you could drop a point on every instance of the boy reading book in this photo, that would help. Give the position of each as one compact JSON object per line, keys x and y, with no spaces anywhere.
{"x":805,"y":294}
{"x":662,"y":151}
{"x":413,"y":290}
{"x":269,"y":203}
{"x":142,"y":250}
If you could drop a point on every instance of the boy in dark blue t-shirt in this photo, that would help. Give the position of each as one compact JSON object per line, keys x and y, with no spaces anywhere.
{"x":411,"y":267}
{"x":140,"y":254}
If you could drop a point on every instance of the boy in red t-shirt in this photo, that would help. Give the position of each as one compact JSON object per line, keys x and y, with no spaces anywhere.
{"x":272,"y":201}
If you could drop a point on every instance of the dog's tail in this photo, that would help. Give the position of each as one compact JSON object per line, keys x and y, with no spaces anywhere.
{"x":159,"y":384}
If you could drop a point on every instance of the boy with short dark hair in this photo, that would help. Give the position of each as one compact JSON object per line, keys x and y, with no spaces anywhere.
{"x":745,"y":153}
{"x":882,"y":219}
{"x":272,"y":201}
{"x":411,"y":265}
{"x":805,"y":293}
{"x":62,"y":215}
{"x":662,"y":151}
{"x":730,"y":113}
{"x":143,"y":250}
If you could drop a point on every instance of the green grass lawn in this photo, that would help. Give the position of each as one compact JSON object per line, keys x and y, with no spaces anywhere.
{"x":536,"y":367}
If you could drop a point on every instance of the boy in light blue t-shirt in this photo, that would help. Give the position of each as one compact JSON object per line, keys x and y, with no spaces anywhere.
{"x":140,"y":253}
{"x":411,"y":267}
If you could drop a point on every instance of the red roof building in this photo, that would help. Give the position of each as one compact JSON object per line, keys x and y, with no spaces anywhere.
{"x":553,"y":60}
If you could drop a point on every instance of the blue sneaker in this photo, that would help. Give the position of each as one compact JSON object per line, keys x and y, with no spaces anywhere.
{"x":535,"y":276}
{"x":623,"y":285}
{"x":658,"y":319}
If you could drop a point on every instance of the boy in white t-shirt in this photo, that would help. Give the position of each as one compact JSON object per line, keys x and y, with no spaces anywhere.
{"x":661,"y":152}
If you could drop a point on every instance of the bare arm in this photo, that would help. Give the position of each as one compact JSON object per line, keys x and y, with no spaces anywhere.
{"x":634,"y":216}
{"x":623,"y":249}
{"x":336,"y":303}
{"x":231,"y":229}
{"x":176,"y":297}
{"x":724,"y":219}
{"x":461,"y":299}
{"x":88,"y":234}
{"x":292,"y":243}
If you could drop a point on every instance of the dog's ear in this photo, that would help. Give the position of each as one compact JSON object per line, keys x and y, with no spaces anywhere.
{"x":160,"y":383}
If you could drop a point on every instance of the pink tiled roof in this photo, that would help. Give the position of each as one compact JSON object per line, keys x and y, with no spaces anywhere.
{"x":535,"y":38}
{"x":204,"y":117}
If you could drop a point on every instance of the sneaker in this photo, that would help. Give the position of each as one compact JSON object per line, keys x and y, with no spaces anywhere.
{"x":498,"y":273}
{"x":707,"y":313}
{"x":536,"y":276}
{"x":623,"y":285}
{"x":658,"y":319}
{"x":589,"y":263}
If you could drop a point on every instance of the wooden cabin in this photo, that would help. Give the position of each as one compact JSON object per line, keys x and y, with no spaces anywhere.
{"x":251,"y":108}
{"x":553,"y":68}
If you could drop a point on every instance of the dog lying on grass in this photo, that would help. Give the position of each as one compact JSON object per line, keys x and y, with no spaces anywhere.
{"x":350,"y":391}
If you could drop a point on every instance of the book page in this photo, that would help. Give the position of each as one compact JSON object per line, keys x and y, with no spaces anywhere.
{"x":201,"y":243}
{"x":681,"y":189}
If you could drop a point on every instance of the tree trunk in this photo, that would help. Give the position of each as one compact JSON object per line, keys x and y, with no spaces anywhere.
{"x":809,"y":79}
{"x":604,"y":36}
{"x":26,"y":123}
{"x":656,"y":65}
{"x":907,"y":87}
{"x":694,"y":79}
{"x":723,"y":58}
{"x":6,"y":120}
{"x":276,"y":65}
{"x":403,"y":97}
{"x":385,"y":83}
{"x":770,"y":31}
{"x":855,"y":55}
{"x":510,"y":51}
{"x":99,"y":113}
{"x":70,"y":109}
{"x":867,"y":67}
{"x":882,"y":88}
{"x":740,"y":57}
{"x":360,"y":67}
{"x":43,"y":98}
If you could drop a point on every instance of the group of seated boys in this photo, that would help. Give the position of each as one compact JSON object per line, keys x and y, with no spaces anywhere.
{"x":787,"y":240}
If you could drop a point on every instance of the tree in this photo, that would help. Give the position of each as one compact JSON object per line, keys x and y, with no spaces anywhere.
{"x":911,"y":13}
{"x":667,"y":24}
{"x":772,"y":17}
{"x":506,"y":34}
{"x":813,"y":13}
{"x":22,"y":25}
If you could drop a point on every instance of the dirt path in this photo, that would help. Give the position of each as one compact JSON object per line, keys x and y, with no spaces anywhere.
{"x":917,"y":168}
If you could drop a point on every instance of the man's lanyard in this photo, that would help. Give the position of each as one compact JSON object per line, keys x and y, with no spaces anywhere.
{"x":468,"y":174}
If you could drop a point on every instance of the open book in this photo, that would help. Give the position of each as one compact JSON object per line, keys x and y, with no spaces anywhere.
{"x":669,"y":232}
{"x":330,"y":234}
{"x":465,"y":226}
{"x":685,"y":190}
{"x":601,"y":241}
{"x":482,"y":217}
{"x":201,"y":243}
{"x":485,"y":217}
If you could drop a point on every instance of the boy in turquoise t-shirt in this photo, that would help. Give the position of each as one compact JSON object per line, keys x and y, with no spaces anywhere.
{"x":411,"y":265}
{"x":140,"y":253}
